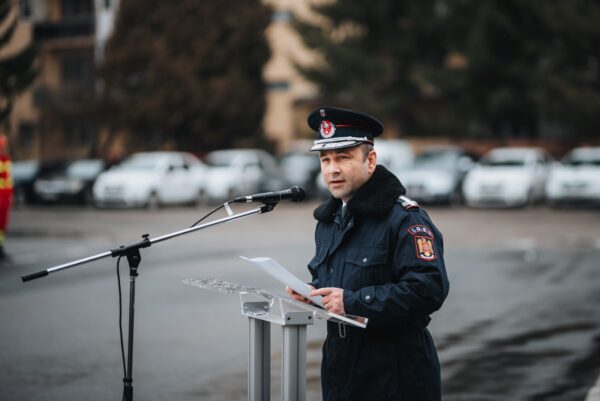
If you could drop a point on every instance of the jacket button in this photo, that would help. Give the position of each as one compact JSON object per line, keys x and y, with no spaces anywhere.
{"x":365,"y":260}
{"x":330,"y":271}
{"x":367,"y":297}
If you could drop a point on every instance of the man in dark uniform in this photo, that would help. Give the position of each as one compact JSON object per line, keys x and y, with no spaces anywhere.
{"x":379,"y":256}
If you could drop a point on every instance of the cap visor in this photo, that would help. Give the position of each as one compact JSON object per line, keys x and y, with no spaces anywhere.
{"x":321,"y":145}
{"x":335,"y":145}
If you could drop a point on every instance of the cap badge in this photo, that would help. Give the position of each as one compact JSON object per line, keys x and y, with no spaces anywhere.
{"x":322,"y":112}
{"x":327,"y":129}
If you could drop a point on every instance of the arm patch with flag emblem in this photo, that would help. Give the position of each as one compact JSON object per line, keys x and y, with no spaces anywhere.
{"x":424,"y":240}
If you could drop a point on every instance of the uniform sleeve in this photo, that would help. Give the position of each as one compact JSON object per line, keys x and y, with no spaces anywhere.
{"x":312,"y":267}
{"x":420,"y":282}
{"x":313,"y":272}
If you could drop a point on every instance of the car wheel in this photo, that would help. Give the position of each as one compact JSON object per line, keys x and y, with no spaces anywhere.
{"x":554,"y":204}
{"x":231,"y":194}
{"x":19,"y":198}
{"x":455,"y":198}
{"x":88,"y":197}
{"x":198,"y":199}
{"x":530,"y":200}
{"x":153,"y":202}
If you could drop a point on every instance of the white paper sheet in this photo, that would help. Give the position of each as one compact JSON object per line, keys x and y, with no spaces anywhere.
{"x":282,"y":275}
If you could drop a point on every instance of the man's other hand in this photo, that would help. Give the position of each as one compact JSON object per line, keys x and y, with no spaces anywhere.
{"x":333,"y":299}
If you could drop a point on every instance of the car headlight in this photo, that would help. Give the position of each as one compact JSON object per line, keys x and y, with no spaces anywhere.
{"x":519,"y":188}
{"x":441,"y":184}
{"x":75,"y":185}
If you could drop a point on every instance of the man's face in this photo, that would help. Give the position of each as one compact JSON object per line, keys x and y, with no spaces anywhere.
{"x":346,"y":170}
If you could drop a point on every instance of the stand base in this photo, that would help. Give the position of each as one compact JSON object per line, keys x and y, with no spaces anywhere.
{"x":128,"y":392}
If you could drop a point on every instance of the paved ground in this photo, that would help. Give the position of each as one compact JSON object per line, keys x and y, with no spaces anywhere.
{"x":521,"y":321}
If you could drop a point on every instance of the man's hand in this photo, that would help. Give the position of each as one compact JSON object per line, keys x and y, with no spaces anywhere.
{"x":333,"y":299}
{"x":297,"y":297}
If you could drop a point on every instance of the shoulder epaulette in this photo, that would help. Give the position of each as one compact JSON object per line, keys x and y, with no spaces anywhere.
{"x":407,"y":203}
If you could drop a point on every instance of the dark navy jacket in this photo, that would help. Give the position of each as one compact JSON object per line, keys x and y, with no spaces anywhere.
{"x":388,"y":258}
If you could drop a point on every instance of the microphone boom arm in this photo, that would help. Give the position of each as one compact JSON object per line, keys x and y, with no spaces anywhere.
{"x":130,"y":250}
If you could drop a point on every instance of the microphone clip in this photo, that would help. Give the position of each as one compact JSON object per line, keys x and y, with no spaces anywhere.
{"x":268,"y":205}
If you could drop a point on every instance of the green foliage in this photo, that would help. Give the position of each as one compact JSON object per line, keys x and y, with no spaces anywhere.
{"x":374,"y":54}
{"x":528,"y":63}
{"x":505,"y":68}
{"x":190,"y":73}
{"x":17,"y":70}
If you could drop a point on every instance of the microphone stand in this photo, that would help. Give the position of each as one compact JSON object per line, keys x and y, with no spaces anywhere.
{"x":132,"y":252}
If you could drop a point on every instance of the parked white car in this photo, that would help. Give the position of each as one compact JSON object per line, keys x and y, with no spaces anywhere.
{"x":576,"y":178}
{"x":151,"y":179}
{"x":238,"y":172}
{"x":396,"y":155}
{"x":437,"y":175}
{"x":507,"y":177}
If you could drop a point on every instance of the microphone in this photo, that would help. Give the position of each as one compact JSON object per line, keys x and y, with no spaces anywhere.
{"x":295,"y":194}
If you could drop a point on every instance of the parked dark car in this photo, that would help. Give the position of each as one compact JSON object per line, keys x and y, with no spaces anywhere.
{"x":24,"y":173}
{"x":71,"y":183}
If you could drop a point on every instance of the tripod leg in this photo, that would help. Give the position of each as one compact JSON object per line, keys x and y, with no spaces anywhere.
{"x":128,"y":380}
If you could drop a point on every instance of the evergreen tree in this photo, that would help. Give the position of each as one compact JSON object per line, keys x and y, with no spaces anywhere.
{"x":17,"y":70}
{"x":188,"y":73}
{"x":451,"y":66}
{"x":526,"y":63}
{"x":375,"y":56}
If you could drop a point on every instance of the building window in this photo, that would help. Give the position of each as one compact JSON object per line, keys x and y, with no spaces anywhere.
{"x":76,"y":69}
{"x":281,"y":16}
{"x":76,"y":8}
{"x":78,"y":134}
{"x":278,"y":86}
{"x":26,"y":132}
{"x":25,"y":8}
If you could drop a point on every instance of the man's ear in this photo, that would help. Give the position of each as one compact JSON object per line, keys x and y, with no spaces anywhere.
{"x":372,"y":158}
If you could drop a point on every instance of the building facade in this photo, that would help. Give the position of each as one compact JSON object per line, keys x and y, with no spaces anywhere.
{"x":55,"y":118}
{"x":289,"y":96}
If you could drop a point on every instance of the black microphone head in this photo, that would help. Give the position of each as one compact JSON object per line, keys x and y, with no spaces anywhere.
{"x":298,"y":194}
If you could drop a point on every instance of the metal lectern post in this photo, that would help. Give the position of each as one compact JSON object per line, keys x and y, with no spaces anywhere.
{"x":293,"y":357}
{"x":259,"y":362}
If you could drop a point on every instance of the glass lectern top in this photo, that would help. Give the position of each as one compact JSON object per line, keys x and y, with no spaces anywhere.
{"x":268,"y":305}
{"x":218,"y":285}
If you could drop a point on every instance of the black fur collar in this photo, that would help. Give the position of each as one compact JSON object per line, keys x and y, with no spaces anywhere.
{"x":374,"y":199}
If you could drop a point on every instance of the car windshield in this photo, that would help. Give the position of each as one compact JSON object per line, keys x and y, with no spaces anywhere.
{"x":221,"y":159}
{"x":141,"y":163}
{"x":502,"y":161}
{"x":24,"y":170}
{"x":300,"y":161}
{"x":437,"y":159}
{"x":581,"y":160}
{"x":394,"y":155}
{"x":84,"y":168}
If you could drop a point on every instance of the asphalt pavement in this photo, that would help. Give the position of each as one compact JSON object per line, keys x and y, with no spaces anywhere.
{"x":520,"y":323}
